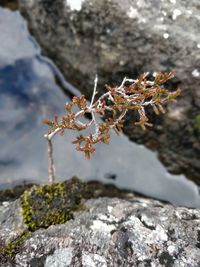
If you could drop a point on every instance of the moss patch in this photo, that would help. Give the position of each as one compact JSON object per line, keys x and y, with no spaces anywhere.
{"x":46,"y":205}
{"x":10,"y":249}
{"x":197,"y":122}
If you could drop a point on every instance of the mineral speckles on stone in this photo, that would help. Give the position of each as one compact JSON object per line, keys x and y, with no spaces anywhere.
{"x":140,"y":3}
{"x":196,"y":73}
{"x":93,"y":260}
{"x":171,"y":249}
{"x":158,"y":235}
{"x":160,"y":27}
{"x":173,"y":1}
{"x":101,"y":227}
{"x":164,"y":13}
{"x":11,"y":221}
{"x":75,"y":4}
{"x":133,"y":13}
{"x":161,"y":19}
{"x":190,"y":12}
{"x":149,"y":222}
{"x":198,"y":45}
{"x":140,"y":235}
{"x":132,"y":223}
{"x":110,"y":209}
{"x":108,"y":218}
{"x":176,"y":14}
{"x":60,"y":258}
{"x":166,"y":35}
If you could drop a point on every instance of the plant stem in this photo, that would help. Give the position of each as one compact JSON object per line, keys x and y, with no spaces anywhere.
{"x":51,"y":167}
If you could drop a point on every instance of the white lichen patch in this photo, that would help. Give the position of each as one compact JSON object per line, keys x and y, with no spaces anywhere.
{"x":164,"y":13}
{"x":160,"y":19}
{"x":6,"y":204}
{"x":140,"y":3}
{"x":190,"y":12}
{"x":99,"y":226}
{"x":148,"y":221}
{"x":108,"y":218}
{"x":195,"y":73}
{"x":157,"y":235}
{"x":134,"y":223}
{"x":133,"y":13}
{"x":166,"y":35}
{"x":110,"y":208}
{"x":161,"y":27}
{"x":61,"y":257}
{"x":172,"y":1}
{"x":74,"y":4}
{"x":143,"y":20}
{"x":198,"y":45}
{"x":93,"y":260}
{"x":176,"y":13}
{"x":119,"y":211}
{"x":171,"y":249}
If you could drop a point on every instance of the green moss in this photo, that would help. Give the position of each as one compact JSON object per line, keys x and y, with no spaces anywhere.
{"x":197,"y":122}
{"x":50,"y":204}
{"x":10,"y":249}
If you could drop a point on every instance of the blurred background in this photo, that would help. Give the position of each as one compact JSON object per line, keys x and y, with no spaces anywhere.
{"x":51,"y":50}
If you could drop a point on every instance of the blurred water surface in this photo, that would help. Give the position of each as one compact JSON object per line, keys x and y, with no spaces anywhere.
{"x":29,"y":93}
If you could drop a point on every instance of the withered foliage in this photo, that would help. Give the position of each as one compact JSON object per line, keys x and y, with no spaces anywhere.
{"x":130,"y":95}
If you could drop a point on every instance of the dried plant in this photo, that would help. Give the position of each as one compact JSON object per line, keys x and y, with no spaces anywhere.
{"x":130,"y":95}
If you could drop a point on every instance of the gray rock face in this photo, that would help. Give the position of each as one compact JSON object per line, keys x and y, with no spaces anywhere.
{"x":11,"y":221}
{"x":115,"y":232}
{"x":127,"y":37}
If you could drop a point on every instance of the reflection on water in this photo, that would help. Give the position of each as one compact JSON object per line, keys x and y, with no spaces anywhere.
{"x":28,"y":93}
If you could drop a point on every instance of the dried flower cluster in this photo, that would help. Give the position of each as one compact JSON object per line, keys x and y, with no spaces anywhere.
{"x":130,"y":95}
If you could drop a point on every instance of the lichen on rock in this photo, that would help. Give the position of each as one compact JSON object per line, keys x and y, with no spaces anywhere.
{"x":9,"y":249}
{"x":110,"y":231}
{"x":51,"y":204}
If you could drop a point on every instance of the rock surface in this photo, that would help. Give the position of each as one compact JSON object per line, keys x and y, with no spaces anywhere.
{"x":127,"y":37}
{"x":11,"y":220}
{"x":115,"y":232}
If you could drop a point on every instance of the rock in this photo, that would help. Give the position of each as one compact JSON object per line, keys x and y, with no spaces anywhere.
{"x":116,"y":232}
{"x":11,"y":220}
{"x":13,"y":230}
{"x":118,"y":38}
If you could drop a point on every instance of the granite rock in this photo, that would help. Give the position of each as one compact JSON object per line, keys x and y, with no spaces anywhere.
{"x":117,"y":232}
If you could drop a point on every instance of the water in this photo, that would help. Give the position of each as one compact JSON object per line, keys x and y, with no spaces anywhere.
{"x":29,"y":93}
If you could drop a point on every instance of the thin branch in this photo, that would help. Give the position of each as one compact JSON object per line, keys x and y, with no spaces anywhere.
{"x":51,"y":166}
{"x":94,"y":91}
{"x":51,"y":135}
{"x":121,"y":99}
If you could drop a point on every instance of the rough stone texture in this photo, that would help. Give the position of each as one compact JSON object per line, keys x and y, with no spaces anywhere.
{"x":11,"y":221}
{"x":126,"y":37}
{"x":116,"y":232}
